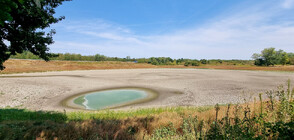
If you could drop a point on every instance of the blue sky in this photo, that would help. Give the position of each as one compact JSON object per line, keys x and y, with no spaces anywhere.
{"x":196,"y":29}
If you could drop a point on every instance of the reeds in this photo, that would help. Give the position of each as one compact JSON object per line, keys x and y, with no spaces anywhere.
{"x":272,"y":120}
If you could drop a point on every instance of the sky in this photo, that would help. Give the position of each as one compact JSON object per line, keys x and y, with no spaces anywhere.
{"x":195,"y":29}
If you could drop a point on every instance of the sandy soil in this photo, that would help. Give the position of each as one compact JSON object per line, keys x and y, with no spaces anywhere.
{"x":176,"y":87}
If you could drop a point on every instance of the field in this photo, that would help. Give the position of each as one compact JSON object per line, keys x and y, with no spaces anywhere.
{"x":20,"y":66}
{"x":31,"y":103}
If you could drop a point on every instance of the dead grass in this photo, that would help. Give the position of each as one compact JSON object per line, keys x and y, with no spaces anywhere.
{"x":25,"y":66}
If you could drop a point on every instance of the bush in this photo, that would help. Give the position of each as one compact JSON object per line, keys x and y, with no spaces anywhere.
{"x":203,"y":61}
{"x":191,"y":63}
{"x":195,"y":63}
{"x":187,"y":64}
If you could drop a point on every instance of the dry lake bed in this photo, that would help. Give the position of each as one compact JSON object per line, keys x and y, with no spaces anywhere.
{"x":174,"y":87}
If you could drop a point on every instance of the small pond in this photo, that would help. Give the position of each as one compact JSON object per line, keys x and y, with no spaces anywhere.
{"x":111,"y":98}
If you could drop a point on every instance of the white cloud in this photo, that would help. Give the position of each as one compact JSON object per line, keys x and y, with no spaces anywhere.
{"x":288,"y":4}
{"x":234,"y":36}
{"x":111,"y":36}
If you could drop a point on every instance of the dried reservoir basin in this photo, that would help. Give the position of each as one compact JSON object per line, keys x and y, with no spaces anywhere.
{"x":175,"y":87}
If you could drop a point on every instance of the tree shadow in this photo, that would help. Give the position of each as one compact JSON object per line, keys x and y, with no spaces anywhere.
{"x":26,"y":115}
{"x":24,"y":124}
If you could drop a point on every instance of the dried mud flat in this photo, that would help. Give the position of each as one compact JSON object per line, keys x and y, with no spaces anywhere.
{"x":176,"y":87}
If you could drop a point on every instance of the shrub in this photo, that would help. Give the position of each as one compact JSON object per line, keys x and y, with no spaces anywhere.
{"x":195,"y":63}
{"x":203,"y":61}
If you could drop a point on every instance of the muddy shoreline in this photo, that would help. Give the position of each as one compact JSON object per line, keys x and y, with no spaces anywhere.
{"x":151,"y":95}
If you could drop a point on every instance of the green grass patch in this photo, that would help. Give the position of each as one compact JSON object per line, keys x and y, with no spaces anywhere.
{"x":11,"y":114}
{"x":111,"y":114}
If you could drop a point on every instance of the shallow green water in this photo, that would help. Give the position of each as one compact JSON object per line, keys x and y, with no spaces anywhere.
{"x":103,"y":99}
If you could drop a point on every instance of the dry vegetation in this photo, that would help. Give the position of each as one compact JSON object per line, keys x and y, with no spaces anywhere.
{"x":269,"y":119}
{"x":24,"y":66}
{"x":20,"y":66}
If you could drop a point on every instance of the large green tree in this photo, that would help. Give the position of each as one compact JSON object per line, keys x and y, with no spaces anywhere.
{"x":269,"y":56}
{"x":22,"y":25}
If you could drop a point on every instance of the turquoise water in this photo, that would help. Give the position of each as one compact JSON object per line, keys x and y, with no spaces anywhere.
{"x":109,"y":98}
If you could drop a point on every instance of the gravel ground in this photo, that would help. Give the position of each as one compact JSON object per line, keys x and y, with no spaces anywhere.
{"x":176,"y":87}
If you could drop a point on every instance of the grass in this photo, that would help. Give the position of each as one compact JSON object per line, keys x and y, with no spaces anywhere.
{"x":271,"y":118}
{"x":12,"y":114}
{"x":24,"y":66}
{"x":110,"y":114}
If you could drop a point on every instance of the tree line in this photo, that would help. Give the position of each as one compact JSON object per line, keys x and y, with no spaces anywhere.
{"x":267,"y":57}
{"x":151,"y":60}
